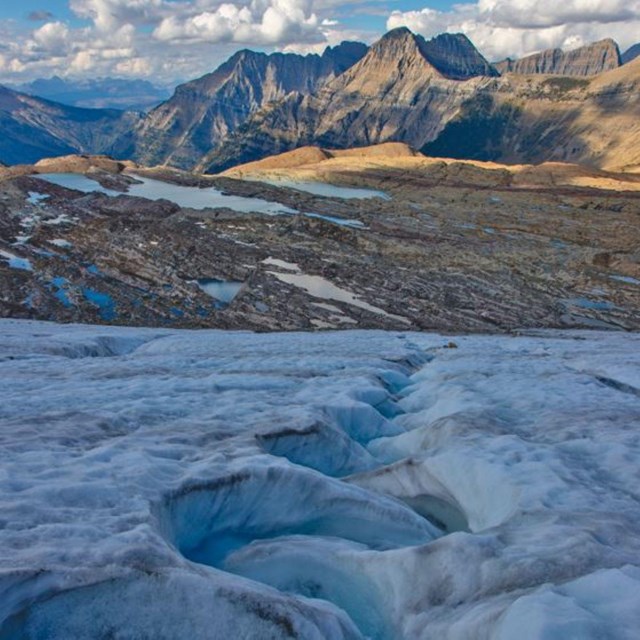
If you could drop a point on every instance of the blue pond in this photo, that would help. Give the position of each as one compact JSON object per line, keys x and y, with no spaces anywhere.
{"x":197,"y":198}
{"x":103,"y":301}
{"x":59,"y":284}
{"x":585,"y":303}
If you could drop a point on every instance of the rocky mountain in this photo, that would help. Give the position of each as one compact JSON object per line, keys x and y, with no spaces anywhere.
{"x":585,"y":61}
{"x":405,"y":88}
{"x":33,"y":128}
{"x":100,"y":93}
{"x":440,"y":96}
{"x":452,"y":55}
{"x":200,"y":113}
{"x":631,"y":54}
{"x":397,"y":93}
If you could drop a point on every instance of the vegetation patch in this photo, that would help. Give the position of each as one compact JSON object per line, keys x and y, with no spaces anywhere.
{"x":563,"y":84}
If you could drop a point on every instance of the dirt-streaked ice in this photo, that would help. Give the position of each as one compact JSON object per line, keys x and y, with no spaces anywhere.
{"x":208,"y":484}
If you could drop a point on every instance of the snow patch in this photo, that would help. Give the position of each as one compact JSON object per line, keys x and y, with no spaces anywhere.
{"x":15,"y":262}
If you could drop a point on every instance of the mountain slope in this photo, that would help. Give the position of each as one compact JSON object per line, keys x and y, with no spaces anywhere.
{"x":631,"y":54}
{"x":200,"y":113}
{"x":397,"y":93}
{"x":405,"y":89}
{"x":33,"y":128}
{"x":539,"y":118}
{"x":589,"y":60}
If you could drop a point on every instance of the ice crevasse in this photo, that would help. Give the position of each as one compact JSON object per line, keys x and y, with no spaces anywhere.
{"x":368,"y":484}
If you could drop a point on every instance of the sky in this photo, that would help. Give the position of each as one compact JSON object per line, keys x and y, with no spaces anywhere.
{"x":169,"y":41}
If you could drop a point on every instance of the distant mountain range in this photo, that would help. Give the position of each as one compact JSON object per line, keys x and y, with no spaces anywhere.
{"x":101,"y":93}
{"x":440,"y":96}
{"x":33,"y":128}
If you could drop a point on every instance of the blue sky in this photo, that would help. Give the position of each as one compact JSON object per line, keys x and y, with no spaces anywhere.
{"x":60,"y":9}
{"x":21,"y":10}
{"x":25,"y":14}
{"x":169,"y":41}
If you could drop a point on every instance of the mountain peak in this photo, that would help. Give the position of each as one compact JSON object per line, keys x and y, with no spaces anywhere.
{"x":397,"y":33}
{"x":201,"y":112}
{"x":346,"y":47}
{"x":396,"y":43}
{"x":450,"y":55}
{"x":455,"y":57}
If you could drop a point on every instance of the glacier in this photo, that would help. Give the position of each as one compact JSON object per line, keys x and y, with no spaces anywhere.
{"x":175,"y":484}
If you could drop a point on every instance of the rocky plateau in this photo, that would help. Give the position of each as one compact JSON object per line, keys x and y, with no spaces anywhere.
{"x":452,"y":246}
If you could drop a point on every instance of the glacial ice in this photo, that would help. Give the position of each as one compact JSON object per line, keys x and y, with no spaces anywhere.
{"x":161,"y":484}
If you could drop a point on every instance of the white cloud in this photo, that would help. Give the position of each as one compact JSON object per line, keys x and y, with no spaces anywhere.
{"x":134,"y":67}
{"x":536,"y":14}
{"x":112,"y":14}
{"x":169,"y":40}
{"x":263,"y":22}
{"x":502,"y":28}
{"x":52,"y":37}
{"x":130,"y":37}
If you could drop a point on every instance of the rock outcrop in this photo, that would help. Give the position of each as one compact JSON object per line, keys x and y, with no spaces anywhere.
{"x":201,"y":112}
{"x":464,"y":246}
{"x":312,"y":157}
{"x":585,"y":61}
{"x":536,"y":119}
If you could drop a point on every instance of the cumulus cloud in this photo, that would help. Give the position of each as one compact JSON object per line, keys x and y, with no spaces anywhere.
{"x":262,"y":22}
{"x":52,"y":38}
{"x":513,"y":28}
{"x":169,"y":40}
{"x":130,"y":37}
{"x":112,"y":14}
